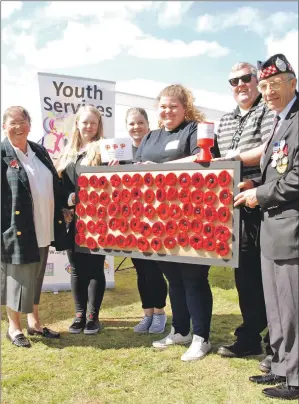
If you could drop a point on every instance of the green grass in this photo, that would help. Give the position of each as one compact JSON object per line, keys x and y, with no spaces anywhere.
{"x":118,"y":366}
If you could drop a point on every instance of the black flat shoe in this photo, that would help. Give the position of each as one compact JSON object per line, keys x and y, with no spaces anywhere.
{"x":19,"y":340}
{"x":270,"y":379}
{"x":46,"y":333}
{"x":265,"y":364}
{"x":282,"y":392}
{"x":238,"y":350}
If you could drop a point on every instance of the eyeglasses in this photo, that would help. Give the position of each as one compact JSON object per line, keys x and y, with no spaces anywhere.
{"x":274,"y":85}
{"x":245,"y":79}
{"x":14,"y":124}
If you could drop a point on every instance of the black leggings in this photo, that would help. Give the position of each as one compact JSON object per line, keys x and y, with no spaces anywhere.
{"x":88,"y":281}
{"x":151,"y":284}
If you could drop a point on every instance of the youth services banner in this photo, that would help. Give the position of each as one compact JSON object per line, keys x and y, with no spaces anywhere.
{"x":61,"y":97}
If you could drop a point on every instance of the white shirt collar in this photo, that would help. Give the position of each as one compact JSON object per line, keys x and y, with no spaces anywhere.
{"x":286,"y":110}
{"x":22,"y":156}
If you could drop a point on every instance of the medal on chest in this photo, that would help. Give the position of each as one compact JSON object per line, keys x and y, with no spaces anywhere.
{"x":280,"y":156}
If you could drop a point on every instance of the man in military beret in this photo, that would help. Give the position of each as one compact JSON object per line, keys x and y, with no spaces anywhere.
{"x":277,"y":194}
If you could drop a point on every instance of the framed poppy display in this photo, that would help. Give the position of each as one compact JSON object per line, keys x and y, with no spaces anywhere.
{"x":169,"y":212}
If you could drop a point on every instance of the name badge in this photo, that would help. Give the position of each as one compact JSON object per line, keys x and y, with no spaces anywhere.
{"x":172,"y":145}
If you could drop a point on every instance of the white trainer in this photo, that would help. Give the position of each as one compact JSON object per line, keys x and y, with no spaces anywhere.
{"x":172,"y":339}
{"x":197,"y":350}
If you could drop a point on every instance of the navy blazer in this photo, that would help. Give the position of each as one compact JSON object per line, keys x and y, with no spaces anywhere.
{"x":18,"y":238}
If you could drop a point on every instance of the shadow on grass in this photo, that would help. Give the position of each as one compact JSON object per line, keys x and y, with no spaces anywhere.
{"x":118,"y":334}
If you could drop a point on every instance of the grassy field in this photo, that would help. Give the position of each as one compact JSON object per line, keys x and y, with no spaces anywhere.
{"x":118,"y":366}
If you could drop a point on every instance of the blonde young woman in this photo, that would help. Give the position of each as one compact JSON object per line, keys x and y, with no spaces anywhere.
{"x":87,"y":276}
{"x":189,"y":289}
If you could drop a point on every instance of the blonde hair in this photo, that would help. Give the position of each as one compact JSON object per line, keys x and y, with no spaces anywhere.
{"x":70,"y":152}
{"x":186,"y":98}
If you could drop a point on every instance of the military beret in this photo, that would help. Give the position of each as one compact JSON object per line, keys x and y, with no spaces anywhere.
{"x":274,"y":65}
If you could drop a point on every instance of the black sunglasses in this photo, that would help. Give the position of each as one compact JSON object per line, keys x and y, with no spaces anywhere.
{"x":245,"y":79}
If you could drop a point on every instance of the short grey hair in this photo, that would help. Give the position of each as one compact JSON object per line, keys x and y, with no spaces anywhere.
{"x":242,"y":65}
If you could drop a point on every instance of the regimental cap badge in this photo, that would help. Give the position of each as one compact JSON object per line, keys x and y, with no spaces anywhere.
{"x":281,"y":65}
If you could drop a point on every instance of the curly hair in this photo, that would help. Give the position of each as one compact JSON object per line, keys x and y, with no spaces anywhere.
{"x":186,"y":98}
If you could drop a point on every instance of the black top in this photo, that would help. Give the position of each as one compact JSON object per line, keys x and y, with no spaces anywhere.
{"x":161,"y":146}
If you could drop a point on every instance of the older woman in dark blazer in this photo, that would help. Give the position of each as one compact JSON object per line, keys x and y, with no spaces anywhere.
{"x":31,"y":219}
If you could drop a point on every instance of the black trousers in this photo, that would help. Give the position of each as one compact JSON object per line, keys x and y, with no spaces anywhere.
{"x":248,"y":278}
{"x":88,"y":281}
{"x":151,"y":284}
{"x":190,"y":297}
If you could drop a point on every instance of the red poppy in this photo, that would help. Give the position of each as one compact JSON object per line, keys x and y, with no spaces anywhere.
{"x":102,"y":240}
{"x":115,"y":180}
{"x":120,"y":241}
{"x":222,"y":248}
{"x":208,"y":230}
{"x":82,"y":181}
{"x":80,"y":226}
{"x":83,"y":195}
{"x":103,"y":182}
{"x":113,"y":223}
{"x":131,"y":241}
{"x":14,"y":164}
{"x":123,"y":225}
{"x":210,"y":214}
{"x":161,"y":195}
{"x":101,"y":227}
{"x":225,"y":196}
{"x":93,"y":181}
{"x":163,"y":211}
{"x":125,"y":196}
{"x":184,"y":225}
{"x":91,"y":243}
{"x":210,"y":198}
{"x":172,"y":194}
{"x":156,"y":244}
{"x":110,"y":239}
{"x":171,"y":179}
{"x":196,"y":226}
{"x":160,"y":180}
{"x":171,"y":227}
{"x":94,"y":197}
{"x":136,"y":194}
{"x":197,"y":196}
{"x":175,"y":211}
{"x":223,"y":214}
{"x":187,"y":209}
{"x":102,"y":212}
{"x":80,"y":239}
{"x":224,"y":178}
{"x":145,"y":229}
{"x":222,"y":233}
{"x":116,"y":195}
{"x":143,"y":244}
{"x":80,"y":210}
{"x":149,"y":196}
{"x":198,"y":212}
{"x":148,"y":179}
{"x":197,"y":180}
{"x":184,"y":195}
{"x":137,"y":209}
{"x":158,"y":229}
{"x":149,"y":211}
{"x":135,"y":224}
{"x":91,"y":226}
{"x":125,"y":210}
{"x":170,"y":242}
{"x":91,"y":210}
{"x":184,"y":180}
{"x":209,"y":244}
{"x":104,"y":198}
{"x":183,"y":239}
{"x":127,"y":180}
{"x":137,"y":180}
{"x":211,"y":180}
{"x":113,"y":209}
